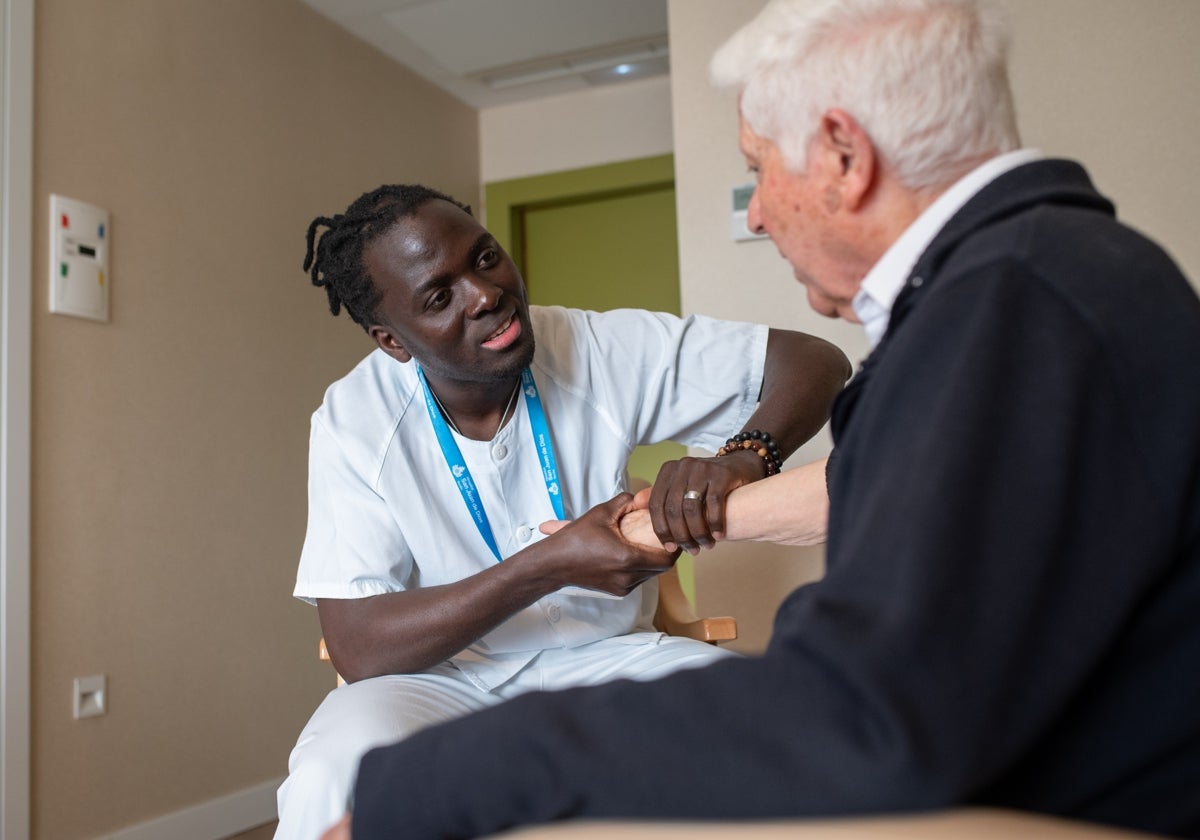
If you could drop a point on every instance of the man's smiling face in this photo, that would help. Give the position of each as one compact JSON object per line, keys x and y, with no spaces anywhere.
{"x":450,"y":297}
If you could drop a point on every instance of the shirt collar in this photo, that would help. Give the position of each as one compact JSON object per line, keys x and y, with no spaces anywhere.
{"x":873,"y":302}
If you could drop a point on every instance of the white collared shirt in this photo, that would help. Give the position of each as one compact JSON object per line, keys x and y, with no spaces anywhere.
{"x":881,"y":286}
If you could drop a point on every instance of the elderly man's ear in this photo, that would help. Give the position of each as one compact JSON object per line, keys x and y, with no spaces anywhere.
{"x":848,"y":159}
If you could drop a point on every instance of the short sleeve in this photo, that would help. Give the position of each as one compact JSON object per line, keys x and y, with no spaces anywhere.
{"x":653,"y":376}
{"x":349,"y":529}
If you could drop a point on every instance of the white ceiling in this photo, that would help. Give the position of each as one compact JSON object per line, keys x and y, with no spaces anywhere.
{"x":493,"y":52}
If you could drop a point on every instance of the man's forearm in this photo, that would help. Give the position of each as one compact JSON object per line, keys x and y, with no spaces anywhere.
{"x":754,"y":512}
{"x":407,"y":632}
{"x":791,"y":508}
{"x":801,"y":376}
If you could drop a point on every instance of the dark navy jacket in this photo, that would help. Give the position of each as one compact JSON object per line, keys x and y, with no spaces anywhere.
{"x":1011,"y":610}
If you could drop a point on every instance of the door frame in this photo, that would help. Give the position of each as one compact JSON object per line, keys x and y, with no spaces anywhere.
{"x":16,"y":241}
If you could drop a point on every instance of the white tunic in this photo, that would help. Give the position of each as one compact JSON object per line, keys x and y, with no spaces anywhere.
{"x":386,"y":515}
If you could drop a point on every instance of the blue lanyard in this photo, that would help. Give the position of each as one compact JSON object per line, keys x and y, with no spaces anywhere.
{"x":462,"y":475}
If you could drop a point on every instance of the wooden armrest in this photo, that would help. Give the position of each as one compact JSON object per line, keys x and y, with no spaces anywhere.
{"x":674,"y":614}
{"x":323,"y":655}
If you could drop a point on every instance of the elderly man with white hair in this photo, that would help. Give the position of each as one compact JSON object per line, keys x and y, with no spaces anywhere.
{"x":1008,"y":616}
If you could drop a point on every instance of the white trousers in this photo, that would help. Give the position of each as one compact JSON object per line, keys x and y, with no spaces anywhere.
{"x":357,"y":717}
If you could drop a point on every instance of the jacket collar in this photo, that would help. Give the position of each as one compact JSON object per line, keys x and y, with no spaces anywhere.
{"x":1060,"y":182}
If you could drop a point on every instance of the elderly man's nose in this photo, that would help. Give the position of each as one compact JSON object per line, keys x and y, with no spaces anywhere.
{"x":754,"y":215}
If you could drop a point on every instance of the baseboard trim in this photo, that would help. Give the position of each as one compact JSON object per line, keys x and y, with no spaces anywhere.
{"x":212,"y":820}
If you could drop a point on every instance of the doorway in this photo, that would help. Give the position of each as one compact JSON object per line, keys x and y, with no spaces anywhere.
{"x":598,"y":238}
{"x":16,"y":239}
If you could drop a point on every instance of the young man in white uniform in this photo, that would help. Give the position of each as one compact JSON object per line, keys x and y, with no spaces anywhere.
{"x":434,"y":461}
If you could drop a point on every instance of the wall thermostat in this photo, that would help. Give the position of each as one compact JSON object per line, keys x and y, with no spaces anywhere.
{"x":741,"y":201}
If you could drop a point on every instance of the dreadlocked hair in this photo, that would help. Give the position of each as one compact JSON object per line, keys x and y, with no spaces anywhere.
{"x":334,"y":259}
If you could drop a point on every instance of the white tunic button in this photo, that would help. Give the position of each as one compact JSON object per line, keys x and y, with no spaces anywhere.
{"x":553,"y":612}
{"x":499,"y":451}
{"x":524,"y":533}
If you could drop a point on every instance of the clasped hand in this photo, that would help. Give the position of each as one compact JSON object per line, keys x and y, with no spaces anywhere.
{"x":684,"y":510}
{"x":686,"y":505}
{"x":596,"y":551}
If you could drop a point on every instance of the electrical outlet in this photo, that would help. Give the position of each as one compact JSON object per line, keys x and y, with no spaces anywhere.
{"x":90,"y":696}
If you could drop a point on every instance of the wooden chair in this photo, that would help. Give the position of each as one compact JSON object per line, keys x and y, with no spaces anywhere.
{"x":673,"y":616}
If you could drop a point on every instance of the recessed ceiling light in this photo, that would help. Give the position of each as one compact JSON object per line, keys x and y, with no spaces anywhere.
{"x":601,"y":65}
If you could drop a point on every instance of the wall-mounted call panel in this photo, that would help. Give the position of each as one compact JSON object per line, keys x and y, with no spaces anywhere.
{"x":741,"y":203}
{"x":79,"y":243}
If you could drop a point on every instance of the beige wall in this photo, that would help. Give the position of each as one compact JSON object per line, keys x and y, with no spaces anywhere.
{"x":169,"y":446}
{"x":1111,"y":82}
{"x":572,"y":131}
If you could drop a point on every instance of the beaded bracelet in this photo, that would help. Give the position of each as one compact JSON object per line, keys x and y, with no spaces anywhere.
{"x":759,"y":442}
